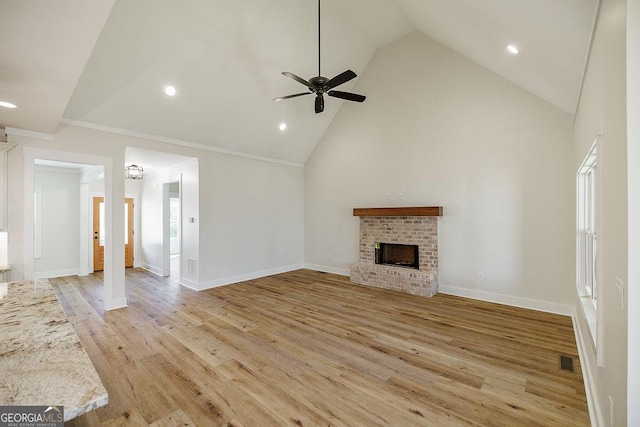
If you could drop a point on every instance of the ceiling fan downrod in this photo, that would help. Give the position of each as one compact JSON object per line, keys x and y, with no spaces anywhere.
{"x":319,"y":73}
{"x":319,"y":85}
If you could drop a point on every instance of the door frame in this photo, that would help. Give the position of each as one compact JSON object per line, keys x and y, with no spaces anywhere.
{"x":114,"y":283}
{"x":87,"y":230}
{"x":166,"y":240}
{"x":129,"y":231}
{"x":96,"y":200}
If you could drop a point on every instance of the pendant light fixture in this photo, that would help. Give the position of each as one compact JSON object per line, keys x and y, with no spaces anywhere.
{"x":133,"y":172}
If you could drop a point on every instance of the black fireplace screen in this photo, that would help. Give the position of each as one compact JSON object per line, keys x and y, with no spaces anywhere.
{"x":398,"y":255}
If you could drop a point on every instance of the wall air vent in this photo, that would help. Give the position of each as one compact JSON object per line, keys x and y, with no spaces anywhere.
{"x":192,"y":268}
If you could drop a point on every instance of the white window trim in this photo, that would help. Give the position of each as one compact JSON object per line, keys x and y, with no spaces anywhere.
{"x":589,"y":301}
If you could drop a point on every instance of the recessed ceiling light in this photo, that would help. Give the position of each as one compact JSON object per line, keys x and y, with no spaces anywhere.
{"x":6,"y":104}
{"x":283,"y":126}
{"x":512,"y":49}
{"x":170,"y":90}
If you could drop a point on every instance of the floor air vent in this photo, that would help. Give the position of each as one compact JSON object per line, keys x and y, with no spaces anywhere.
{"x":566,"y":363}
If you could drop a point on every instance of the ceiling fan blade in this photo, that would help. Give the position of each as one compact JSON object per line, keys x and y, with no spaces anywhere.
{"x":299,"y":79}
{"x":319,"y":103}
{"x":341,"y":78}
{"x":291,"y":96}
{"x":347,"y":95}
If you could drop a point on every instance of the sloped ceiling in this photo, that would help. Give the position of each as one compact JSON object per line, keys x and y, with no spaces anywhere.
{"x":44,"y":45}
{"x":225,"y":58}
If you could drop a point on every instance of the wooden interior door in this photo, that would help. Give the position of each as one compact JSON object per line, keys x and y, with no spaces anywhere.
{"x":98,"y":233}
{"x":128,"y":232}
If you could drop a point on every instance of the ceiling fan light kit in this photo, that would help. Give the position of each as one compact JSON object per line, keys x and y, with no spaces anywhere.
{"x":320,"y":85}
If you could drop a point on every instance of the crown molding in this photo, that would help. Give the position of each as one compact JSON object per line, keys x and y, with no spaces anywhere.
{"x":6,"y":146}
{"x":28,"y":133}
{"x":179,"y":142}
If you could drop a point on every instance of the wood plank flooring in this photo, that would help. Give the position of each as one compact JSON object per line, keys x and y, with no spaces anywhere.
{"x":310,"y":349}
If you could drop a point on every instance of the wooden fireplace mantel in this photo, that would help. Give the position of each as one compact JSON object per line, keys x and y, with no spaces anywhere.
{"x":406,"y":211}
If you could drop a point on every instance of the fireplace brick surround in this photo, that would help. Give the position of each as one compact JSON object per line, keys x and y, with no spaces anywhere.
{"x":408,"y":230}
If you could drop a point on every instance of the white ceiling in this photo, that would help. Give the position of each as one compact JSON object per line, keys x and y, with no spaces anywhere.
{"x":44,"y":45}
{"x":225,"y":58}
{"x":153,"y":159}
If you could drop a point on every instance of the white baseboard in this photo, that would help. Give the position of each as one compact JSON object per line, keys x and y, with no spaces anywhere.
{"x":191,"y":284}
{"x":532,"y":304}
{"x":327,"y":269}
{"x":549,"y":307}
{"x":152,"y":269}
{"x":115,"y":304}
{"x":248,"y":276}
{"x":57,"y":273}
{"x":587,"y":373}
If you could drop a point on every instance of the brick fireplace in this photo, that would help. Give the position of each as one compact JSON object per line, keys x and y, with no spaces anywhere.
{"x":411,"y":227}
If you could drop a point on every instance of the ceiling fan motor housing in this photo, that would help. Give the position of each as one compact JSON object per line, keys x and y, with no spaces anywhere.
{"x":319,"y":83}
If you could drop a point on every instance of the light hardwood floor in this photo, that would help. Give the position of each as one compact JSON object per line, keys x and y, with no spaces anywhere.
{"x":310,"y":349}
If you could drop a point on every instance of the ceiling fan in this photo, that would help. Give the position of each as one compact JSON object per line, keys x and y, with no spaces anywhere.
{"x":320,"y":85}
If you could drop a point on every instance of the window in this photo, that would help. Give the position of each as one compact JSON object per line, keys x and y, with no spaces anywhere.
{"x":587,"y":238}
{"x":174,"y":217}
{"x":4,"y":250}
{"x":587,"y":221}
{"x":174,"y":226}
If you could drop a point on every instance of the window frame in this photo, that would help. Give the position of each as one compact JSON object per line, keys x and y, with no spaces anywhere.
{"x":588,"y":240}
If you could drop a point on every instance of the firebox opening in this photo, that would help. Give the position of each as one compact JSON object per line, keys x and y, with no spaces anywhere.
{"x":397,"y":255}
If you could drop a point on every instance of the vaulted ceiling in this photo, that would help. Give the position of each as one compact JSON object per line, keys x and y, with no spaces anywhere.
{"x":105,"y":64}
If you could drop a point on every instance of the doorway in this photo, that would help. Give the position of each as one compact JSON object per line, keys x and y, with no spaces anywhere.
{"x":114,"y":283}
{"x":172,"y":229}
{"x":99,"y":232}
{"x":168,"y":237}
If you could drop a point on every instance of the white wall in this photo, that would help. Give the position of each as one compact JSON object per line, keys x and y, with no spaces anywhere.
{"x":602,"y":109}
{"x":151,"y":226}
{"x":633,"y":179}
{"x":438,"y":129}
{"x":246,"y":206}
{"x":251,"y":219}
{"x":60,"y":255}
